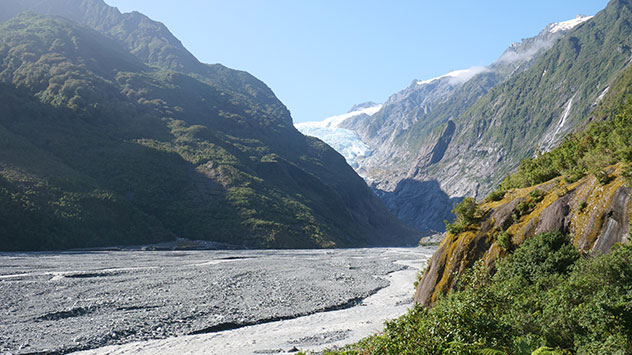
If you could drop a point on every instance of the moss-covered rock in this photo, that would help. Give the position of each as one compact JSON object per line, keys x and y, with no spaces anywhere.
{"x":597,"y":215}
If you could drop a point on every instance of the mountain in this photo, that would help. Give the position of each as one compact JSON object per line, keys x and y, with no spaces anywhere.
{"x":412,"y":135}
{"x":344,"y":141}
{"x":582,"y":188}
{"x":113,"y":133}
{"x":534,"y":110}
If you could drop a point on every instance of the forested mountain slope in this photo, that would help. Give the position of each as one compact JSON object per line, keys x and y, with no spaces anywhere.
{"x":115,"y":134}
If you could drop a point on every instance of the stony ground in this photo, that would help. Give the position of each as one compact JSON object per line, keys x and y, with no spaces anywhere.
{"x":63,"y":302}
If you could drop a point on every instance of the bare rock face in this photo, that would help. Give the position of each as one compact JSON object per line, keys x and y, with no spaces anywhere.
{"x":503,"y":215}
{"x":553,"y":218}
{"x":596,"y":215}
{"x":421,"y":204}
{"x":433,"y":151}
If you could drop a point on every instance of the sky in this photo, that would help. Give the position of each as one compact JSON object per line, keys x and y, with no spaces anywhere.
{"x":320,"y":57}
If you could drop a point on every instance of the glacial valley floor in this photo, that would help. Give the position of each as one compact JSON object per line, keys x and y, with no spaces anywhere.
{"x":215,"y":302}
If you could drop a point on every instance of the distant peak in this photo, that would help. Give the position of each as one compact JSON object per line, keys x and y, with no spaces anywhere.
{"x":359,"y":107}
{"x":335,"y":121}
{"x":567,"y":25}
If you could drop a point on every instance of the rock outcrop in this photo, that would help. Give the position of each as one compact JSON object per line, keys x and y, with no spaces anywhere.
{"x":596,"y":214}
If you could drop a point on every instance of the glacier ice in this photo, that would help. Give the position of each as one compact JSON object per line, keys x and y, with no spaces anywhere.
{"x":344,"y":141}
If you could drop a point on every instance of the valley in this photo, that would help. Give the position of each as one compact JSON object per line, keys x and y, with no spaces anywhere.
{"x":153,"y":203}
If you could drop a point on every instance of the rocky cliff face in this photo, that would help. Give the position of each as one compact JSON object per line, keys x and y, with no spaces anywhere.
{"x":596,"y":213}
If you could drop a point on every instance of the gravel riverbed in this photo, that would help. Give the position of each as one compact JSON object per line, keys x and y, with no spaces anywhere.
{"x":65,"y":302}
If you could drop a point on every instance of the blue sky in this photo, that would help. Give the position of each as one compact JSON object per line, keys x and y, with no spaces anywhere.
{"x":320,"y":57}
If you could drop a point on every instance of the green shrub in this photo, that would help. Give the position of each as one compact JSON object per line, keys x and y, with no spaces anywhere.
{"x":526,"y":206}
{"x":503,"y":239}
{"x":602,"y":176}
{"x":495,"y":195}
{"x":627,"y":175}
{"x":537,"y":195}
{"x":537,"y":257}
{"x":545,"y":350}
{"x":454,"y":228}
{"x":466,"y":213}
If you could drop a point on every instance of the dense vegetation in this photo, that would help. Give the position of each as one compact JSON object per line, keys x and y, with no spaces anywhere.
{"x":544,"y":298}
{"x":103,"y":143}
{"x":465,"y":213}
{"x":602,"y":144}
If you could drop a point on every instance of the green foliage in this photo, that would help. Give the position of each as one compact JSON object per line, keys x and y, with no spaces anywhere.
{"x":495,"y":195}
{"x":545,"y":298}
{"x":538,"y":257}
{"x":466,"y":213}
{"x":600,"y":145}
{"x":545,"y":350}
{"x":627,"y":175}
{"x":537,"y":195}
{"x":503,"y":239}
{"x":602,"y":176}
{"x":526,"y":206}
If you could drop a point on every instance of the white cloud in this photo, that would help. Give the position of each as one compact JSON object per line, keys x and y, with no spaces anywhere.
{"x":458,"y":76}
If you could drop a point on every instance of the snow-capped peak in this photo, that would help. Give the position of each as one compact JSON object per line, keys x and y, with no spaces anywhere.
{"x":457,"y":76}
{"x":335,"y":121}
{"x":567,"y":25}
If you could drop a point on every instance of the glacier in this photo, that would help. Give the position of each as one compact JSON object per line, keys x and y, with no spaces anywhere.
{"x":344,"y":141}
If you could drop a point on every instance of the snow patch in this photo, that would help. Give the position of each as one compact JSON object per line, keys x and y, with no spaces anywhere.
{"x":335,"y":121}
{"x":458,"y":76}
{"x":568,"y":25}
